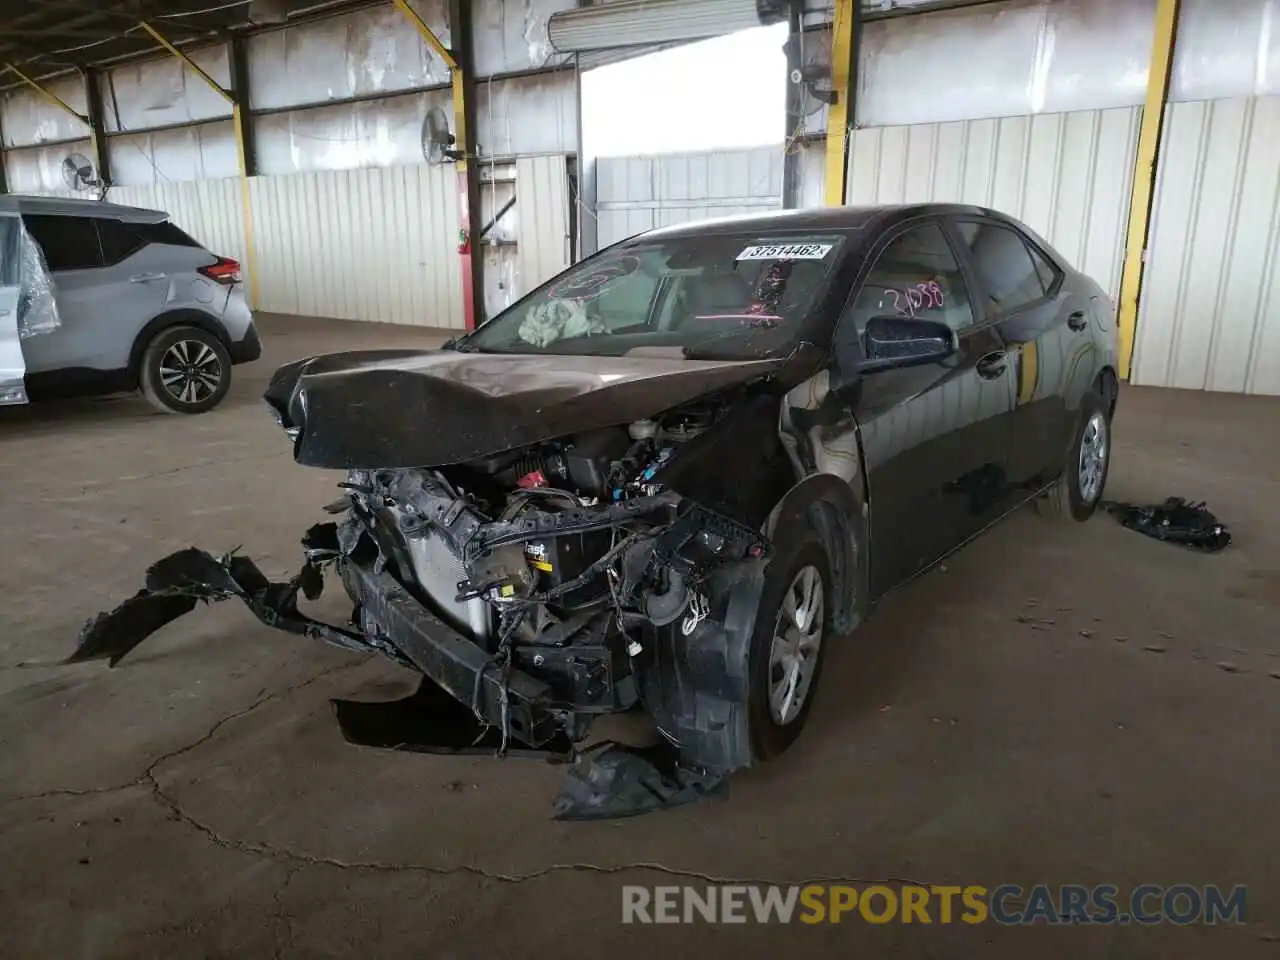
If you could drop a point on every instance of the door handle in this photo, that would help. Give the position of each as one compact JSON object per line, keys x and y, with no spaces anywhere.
{"x":1077,"y":321}
{"x":145,"y":277}
{"x":992,"y":365}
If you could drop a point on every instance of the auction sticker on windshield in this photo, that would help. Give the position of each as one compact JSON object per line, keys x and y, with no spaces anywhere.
{"x":786,"y":251}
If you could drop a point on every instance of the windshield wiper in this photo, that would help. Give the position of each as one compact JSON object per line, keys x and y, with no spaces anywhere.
{"x":458,"y":344}
{"x":692,"y":350}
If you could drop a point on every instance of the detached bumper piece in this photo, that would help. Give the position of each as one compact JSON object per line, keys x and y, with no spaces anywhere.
{"x":1174,"y":521}
{"x":176,"y":583}
{"x":461,"y":703}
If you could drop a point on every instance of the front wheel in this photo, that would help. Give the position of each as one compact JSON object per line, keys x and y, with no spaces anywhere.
{"x":1076,"y":494}
{"x":787,"y":648}
{"x":185,"y":370}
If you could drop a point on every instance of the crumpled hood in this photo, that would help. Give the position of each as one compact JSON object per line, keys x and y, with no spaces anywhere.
{"x":384,"y":409}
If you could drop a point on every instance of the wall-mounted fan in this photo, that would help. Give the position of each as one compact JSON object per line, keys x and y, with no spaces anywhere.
{"x":437,"y":139}
{"x":812,"y":78}
{"x":78,"y":173}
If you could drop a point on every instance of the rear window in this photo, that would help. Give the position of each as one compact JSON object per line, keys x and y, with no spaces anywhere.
{"x":121,"y":240}
{"x":165,"y":232}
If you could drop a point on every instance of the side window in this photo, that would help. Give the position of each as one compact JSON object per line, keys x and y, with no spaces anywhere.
{"x":10,"y":252}
{"x":1003,"y":264}
{"x":1045,"y":270}
{"x":68,"y":243}
{"x":119,"y":240}
{"x":916,"y":277}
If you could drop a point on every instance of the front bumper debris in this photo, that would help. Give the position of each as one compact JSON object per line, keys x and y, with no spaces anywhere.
{"x":176,"y":583}
{"x":464,"y":702}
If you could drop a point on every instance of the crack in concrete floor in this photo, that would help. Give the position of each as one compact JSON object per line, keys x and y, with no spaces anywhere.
{"x":149,"y":779}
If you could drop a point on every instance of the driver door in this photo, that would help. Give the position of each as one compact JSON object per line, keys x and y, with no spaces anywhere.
{"x":935,"y":438}
{"x":12,"y":365}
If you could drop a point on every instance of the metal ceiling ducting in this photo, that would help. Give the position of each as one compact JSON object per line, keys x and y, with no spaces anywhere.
{"x":631,"y":23}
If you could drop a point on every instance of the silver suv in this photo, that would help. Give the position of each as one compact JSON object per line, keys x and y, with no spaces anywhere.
{"x":141,"y":305}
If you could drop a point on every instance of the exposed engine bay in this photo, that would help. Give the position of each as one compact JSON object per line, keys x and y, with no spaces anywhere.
{"x":558,"y":560}
{"x":535,"y":589}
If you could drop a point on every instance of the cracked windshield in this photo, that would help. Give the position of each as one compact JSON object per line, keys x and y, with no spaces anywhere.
{"x":732,"y":297}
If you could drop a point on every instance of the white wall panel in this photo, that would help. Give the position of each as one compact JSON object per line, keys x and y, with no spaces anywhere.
{"x":39,"y":169}
{"x":27,"y":118}
{"x":513,"y":36}
{"x":1210,"y":311}
{"x":157,"y":93}
{"x":204,"y":152}
{"x":372,"y":133}
{"x":1226,"y":48}
{"x":1066,"y":175}
{"x":537,"y":114}
{"x":1005,"y":59}
{"x":375,"y":50}
{"x":542,"y":198}
{"x":639,"y":193}
{"x":212,"y":211}
{"x":372,"y":244}
{"x":813,"y":173}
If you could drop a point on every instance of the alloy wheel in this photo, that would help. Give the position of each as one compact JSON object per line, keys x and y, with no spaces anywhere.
{"x":1093,"y":458}
{"x":191,"y":371}
{"x":793,"y":654}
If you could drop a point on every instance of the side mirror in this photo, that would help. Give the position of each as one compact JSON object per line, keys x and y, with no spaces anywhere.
{"x":890,"y":343}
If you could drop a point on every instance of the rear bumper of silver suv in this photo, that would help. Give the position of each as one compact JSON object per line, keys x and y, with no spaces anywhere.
{"x":248,"y":348}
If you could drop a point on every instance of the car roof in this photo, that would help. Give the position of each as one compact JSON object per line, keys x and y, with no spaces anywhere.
{"x":812,"y":218}
{"x":73,"y":207}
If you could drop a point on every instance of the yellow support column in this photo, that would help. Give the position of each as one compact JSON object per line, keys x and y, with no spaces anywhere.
{"x":238,"y":123}
{"x":1144,"y":176}
{"x":839,"y":115}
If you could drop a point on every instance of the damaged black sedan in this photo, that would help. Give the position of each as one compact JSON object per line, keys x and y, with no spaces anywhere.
{"x":670,"y":477}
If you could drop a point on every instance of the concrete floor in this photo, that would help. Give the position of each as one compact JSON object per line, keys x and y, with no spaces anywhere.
{"x":199,"y":801}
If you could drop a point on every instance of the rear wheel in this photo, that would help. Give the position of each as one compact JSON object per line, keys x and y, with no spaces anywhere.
{"x":185,"y":370}
{"x":1078,"y":491}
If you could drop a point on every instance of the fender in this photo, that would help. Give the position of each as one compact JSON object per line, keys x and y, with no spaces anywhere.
{"x":838,"y":512}
{"x":172,"y":318}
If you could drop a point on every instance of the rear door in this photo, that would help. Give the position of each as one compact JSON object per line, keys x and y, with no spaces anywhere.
{"x":74,"y":259}
{"x":1044,"y":326}
{"x":935,"y":437}
{"x":12,"y":367}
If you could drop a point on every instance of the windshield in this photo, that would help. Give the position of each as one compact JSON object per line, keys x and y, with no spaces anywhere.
{"x":724,"y":297}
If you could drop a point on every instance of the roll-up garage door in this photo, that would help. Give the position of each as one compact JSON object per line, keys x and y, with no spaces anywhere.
{"x":629,"y":23}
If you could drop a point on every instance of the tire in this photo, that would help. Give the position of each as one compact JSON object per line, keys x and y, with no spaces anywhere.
{"x":1076,"y":494}
{"x":185,"y":370}
{"x":799,"y":561}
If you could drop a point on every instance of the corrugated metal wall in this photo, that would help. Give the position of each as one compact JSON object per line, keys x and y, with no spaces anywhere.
{"x":1066,"y":174}
{"x":1210,"y":311}
{"x":373,"y":244}
{"x":542,"y":200}
{"x":639,"y":193}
